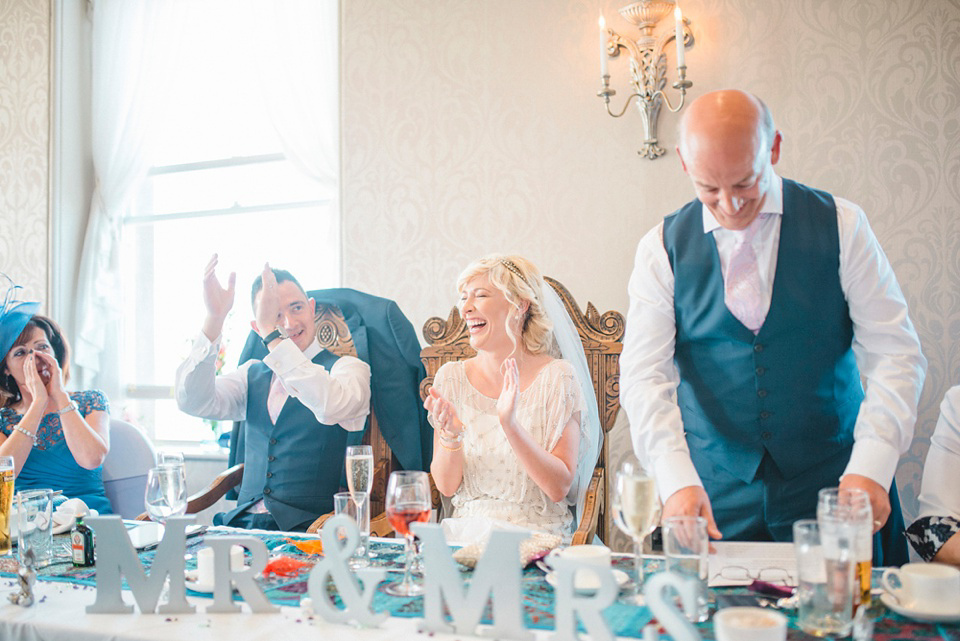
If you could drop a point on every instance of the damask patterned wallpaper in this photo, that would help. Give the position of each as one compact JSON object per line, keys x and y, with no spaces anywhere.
{"x":472,"y":127}
{"x":24,"y":141}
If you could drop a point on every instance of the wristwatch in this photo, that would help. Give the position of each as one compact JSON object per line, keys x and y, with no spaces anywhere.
{"x":277,"y":333}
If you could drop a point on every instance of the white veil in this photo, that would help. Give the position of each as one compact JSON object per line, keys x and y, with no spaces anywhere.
{"x":591,"y":434}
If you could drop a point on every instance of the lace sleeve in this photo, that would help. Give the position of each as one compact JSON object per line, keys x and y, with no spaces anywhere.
{"x":90,"y":401}
{"x":563,"y":395}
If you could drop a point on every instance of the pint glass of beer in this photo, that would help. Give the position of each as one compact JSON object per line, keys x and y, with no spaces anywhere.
{"x":6,"y":503}
{"x":852,"y":507}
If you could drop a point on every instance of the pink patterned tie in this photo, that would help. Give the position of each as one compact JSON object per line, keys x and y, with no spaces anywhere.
{"x":276,"y":398}
{"x":742,"y":291}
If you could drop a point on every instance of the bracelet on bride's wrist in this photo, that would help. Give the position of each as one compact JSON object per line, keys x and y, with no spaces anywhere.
{"x":445,"y":436}
{"x":459,"y":446}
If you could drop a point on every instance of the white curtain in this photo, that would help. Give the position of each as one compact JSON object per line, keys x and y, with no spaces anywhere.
{"x":128,"y":73}
{"x":304,"y":109}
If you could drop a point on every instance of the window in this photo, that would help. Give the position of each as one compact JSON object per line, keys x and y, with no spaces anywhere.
{"x":223,"y":181}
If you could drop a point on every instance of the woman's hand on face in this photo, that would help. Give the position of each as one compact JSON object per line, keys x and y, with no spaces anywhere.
{"x":506,"y":403}
{"x":51,"y":375}
{"x":35,"y":384}
{"x":443,"y":413}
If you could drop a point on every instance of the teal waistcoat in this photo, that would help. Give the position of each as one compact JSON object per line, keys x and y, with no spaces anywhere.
{"x":793,"y":390}
{"x":295,"y":465}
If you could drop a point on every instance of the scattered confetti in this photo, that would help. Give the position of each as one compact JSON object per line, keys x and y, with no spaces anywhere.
{"x":284,"y":566}
{"x":311,"y":546}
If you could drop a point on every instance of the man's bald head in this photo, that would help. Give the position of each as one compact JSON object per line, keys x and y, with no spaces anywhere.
{"x":724,"y":116}
{"x":728,"y":146}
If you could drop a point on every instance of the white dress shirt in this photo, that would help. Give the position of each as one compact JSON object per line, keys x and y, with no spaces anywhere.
{"x":341,"y":395}
{"x":940,"y":488}
{"x":885,"y":345}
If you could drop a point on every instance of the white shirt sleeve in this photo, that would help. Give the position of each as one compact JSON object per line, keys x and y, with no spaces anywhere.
{"x":939,"y":494}
{"x":648,"y":375}
{"x":886,"y":347}
{"x":341,"y":395}
{"x":200,"y":392}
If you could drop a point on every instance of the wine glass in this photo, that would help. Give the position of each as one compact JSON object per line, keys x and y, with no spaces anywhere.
{"x":359,"y":465}
{"x":166,"y":492}
{"x":408,"y":500}
{"x":636,"y":511}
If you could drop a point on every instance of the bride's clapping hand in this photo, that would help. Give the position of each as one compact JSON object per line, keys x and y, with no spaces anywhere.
{"x":507,"y":401}
{"x":443,"y":413}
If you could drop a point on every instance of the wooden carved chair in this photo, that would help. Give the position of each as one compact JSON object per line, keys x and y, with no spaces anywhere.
{"x":602,"y":337}
{"x":334,"y":335}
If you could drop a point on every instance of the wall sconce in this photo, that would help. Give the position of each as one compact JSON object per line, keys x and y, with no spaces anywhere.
{"x":648,"y":64}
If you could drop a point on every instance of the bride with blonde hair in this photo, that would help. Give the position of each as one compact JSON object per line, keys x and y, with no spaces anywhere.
{"x":516,"y":427}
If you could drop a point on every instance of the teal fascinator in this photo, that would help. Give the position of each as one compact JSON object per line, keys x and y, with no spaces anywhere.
{"x":14,"y":314}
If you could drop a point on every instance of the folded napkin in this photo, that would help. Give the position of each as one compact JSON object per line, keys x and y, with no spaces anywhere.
{"x":535,"y":547}
{"x":66,"y":514}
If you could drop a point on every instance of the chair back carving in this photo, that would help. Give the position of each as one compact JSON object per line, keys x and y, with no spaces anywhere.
{"x":334,"y":336}
{"x":602,"y":336}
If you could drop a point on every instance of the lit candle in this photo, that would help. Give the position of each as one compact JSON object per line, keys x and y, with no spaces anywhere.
{"x":679,"y":17}
{"x":603,"y":47}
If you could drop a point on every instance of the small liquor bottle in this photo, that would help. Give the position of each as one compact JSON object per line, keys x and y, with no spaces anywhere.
{"x":81,"y":542}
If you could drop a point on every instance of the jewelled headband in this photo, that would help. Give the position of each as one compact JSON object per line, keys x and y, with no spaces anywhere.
{"x":509,"y":264}
{"x":14,"y":315}
{"x":512,"y":266}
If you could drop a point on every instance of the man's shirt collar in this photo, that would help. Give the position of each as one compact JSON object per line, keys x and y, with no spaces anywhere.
{"x":772,"y":204}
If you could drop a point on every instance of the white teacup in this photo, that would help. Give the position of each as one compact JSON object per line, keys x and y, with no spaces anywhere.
{"x":749,"y":624}
{"x":595,"y":555}
{"x":931,"y":587}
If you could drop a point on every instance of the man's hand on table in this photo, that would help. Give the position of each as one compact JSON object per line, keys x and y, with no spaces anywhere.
{"x":692,"y":501}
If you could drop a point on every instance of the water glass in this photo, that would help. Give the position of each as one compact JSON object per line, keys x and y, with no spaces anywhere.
{"x":686,"y":548}
{"x":166,"y":492}
{"x":35,"y":525}
{"x":169,"y":457}
{"x":355,"y":505}
{"x":825,"y":568}
{"x":852,"y":506}
{"x":6,"y":503}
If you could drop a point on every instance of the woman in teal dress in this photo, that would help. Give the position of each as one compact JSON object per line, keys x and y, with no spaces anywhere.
{"x":57,"y":440}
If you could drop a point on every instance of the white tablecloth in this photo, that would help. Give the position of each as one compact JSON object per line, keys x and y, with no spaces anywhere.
{"x":60,"y":615}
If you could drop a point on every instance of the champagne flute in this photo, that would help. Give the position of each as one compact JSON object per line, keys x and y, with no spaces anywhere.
{"x":636,"y":511}
{"x":408,"y":501}
{"x":359,"y":466}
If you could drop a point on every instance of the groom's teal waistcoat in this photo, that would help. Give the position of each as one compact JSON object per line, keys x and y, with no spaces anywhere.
{"x":793,"y":390}
{"x":295,"y":465}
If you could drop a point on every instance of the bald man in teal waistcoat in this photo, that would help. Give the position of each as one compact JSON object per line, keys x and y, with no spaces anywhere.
{"x":755,"y":312}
